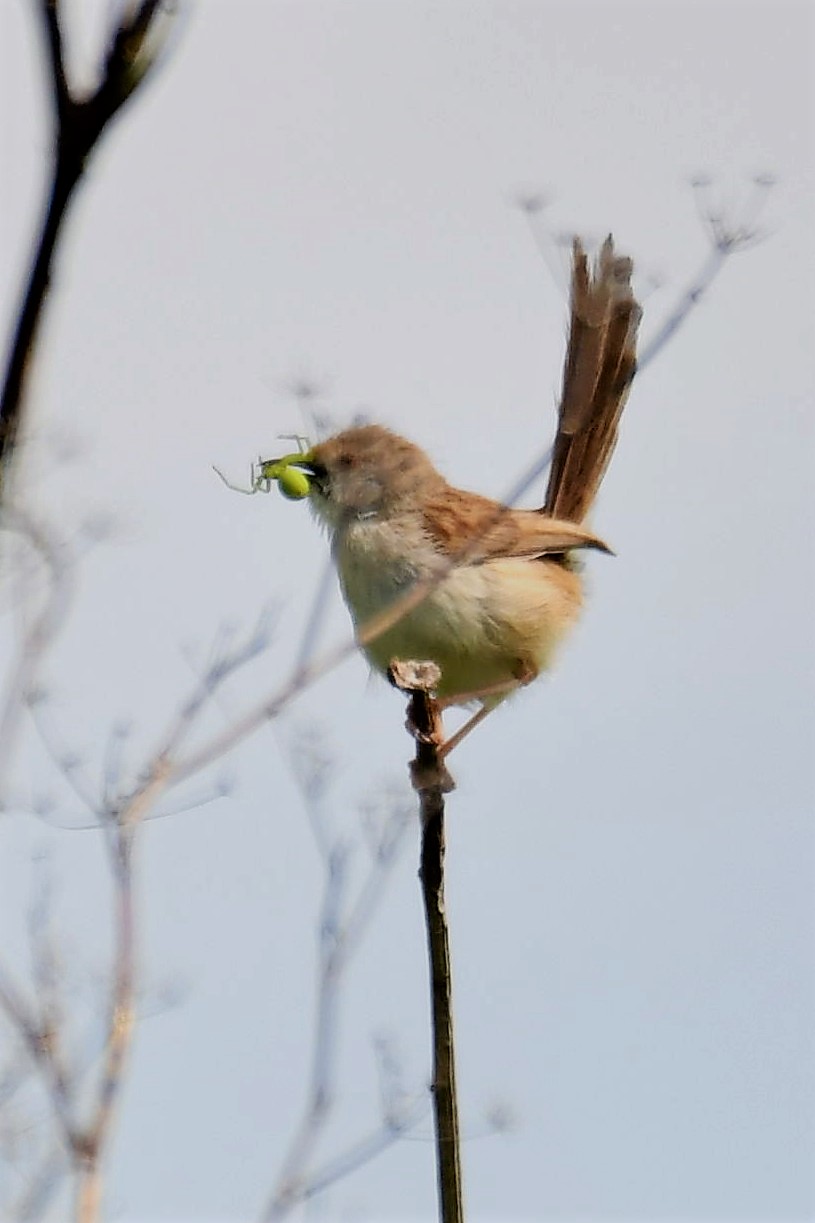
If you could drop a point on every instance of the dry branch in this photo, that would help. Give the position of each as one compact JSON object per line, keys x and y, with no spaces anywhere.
{"x":432,"y":781}
{"x":79,"y":122}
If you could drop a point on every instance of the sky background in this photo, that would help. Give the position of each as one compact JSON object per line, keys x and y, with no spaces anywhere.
{"x":326,"y":192}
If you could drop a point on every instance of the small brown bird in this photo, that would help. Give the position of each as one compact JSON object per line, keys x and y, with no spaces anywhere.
{"x":501,"y":585}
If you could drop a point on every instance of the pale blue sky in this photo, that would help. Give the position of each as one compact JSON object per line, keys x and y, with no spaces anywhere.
{"x":325,"y":190}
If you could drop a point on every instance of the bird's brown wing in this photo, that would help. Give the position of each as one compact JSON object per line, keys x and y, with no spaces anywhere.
{"x":600,"y":365}
{"x":472,"y":529}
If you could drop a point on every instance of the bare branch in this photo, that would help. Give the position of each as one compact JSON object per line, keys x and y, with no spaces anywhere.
{"x":728,"y":235}
{"x":339,"y":936}
{"x":49,"y":12}
{"x":39,"y":634}
{"x":729,"y":231}
{"x":80,"y":122}
{"x":67,"y":764}
{"x":90,"y":1144}
{"x":46,"y":984}
{"x":362,"y":1151}
{"x":40,"y":1047}
{"x":315,"y":618}
{"x":688,"y":300}
{"x":33,"y":1202}
{"x":431,"y":781}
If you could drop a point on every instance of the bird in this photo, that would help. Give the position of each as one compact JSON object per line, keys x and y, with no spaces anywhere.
{"x":495,"y":589}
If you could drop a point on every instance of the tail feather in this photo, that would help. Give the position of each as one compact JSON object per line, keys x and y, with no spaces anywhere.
{"x":600,"y":366}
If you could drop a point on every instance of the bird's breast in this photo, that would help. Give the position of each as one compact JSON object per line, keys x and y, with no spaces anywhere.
{"x":482,"y":624}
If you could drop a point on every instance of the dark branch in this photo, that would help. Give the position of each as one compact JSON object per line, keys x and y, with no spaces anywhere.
{"x":49,"y":11}
{"x":432,"y":781}
{"x":79,"y":124}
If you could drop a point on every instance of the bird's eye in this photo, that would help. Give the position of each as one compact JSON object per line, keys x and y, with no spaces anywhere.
{"x":344,"y":461}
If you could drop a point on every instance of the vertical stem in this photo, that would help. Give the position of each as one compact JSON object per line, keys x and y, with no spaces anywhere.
{"x":445,"y":1099}
{"x":90,"y":1147}
{"x":88,"y":1192}
{"x":432,"y":781}
{"x":122,"y":1007}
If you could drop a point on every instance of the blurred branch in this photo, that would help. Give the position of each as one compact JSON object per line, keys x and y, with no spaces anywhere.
{"x":67,"y":764}
{"x":72,"y":1146}
{"x":41,"y":1026}
{"x":362,"y":1152}
{"x":134,"y":42}
{"x":91,"y":1144}
{"x":727,"y":236}
{"x":34,"y":1200}
{"x":37,"y":636}
{"x":51,"y":1163}
{"x":729,"y":228}
{"x":341,"y":928}
{"x":316,"y":616}
{"x":42,"y":1048}
{"x":112,"y":796}
{"x":219,"y":670}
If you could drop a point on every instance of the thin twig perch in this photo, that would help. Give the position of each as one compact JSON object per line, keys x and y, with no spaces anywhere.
{"x":432,"y":781}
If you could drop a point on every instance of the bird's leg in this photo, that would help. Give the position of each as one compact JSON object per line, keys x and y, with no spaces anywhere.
{"x":503,"y":688}
{"x":471,"y":723}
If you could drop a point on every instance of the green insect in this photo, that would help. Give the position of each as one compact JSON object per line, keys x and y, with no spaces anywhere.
{"x":286,"y":472}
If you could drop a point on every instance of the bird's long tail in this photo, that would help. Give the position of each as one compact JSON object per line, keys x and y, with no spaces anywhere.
{"x":601,"y":360}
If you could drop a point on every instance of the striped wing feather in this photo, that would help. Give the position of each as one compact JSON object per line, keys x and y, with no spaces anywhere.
{"x":476,"y":529}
